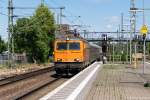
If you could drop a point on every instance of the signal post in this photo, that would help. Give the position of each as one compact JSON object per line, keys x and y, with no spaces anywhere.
{"x":144,"y":31}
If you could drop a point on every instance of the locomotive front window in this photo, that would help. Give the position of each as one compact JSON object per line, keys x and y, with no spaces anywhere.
{"x":61,"y":46}
{"x":74,"y":46}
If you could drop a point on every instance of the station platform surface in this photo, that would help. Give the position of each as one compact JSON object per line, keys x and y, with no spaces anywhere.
{"x":120,"y":82}
{"x":77,"y":87}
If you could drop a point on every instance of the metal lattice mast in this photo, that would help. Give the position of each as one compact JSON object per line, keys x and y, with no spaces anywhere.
{"x":132,"y":25}
{"x":122,"y":34}
{"x":9,"y":20}
{"x":122,"y":24}
{"x":61,"y":14}
{"x":10,"y":29}
{"x":9,"y":26}
{"x":42,"y":2}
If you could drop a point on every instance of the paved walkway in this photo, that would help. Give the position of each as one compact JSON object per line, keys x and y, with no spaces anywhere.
{"x":120,"y":82}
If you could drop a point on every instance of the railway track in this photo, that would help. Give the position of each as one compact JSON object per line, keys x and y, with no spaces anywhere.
{"x":13,"y":79}
{"x":36,"y":88}
{"x":22,"y":86}
{"x":30,"y":86}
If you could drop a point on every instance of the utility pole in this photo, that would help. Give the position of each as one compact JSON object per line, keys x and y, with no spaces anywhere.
{"x":61,"y":14}
{"x":145,"y":32}
{"x":9,"y":34}
{"x":144,"y":39}
{"x":10,"y":31}
{"x":60,"y":18}
{"x":132,"y":25}
{"x":84,"y":33}
{"x":122,"y":29}
{"x":143,"y":12}
{"x":42,"y":1}
{"x":144,"y":58}
{"x":119,"y":31}
{"x":113,"y":51}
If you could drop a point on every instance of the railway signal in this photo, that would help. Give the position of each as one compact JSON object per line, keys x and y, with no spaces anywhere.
{"x":144,"y":31}
{"x":104,"y":44}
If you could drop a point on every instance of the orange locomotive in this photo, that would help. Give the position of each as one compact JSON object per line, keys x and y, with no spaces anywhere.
{"x":72,"y":55}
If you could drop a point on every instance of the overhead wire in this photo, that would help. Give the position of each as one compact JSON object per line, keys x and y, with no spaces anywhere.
{"x":32,"y":23}
{"x":65,"y":17}
{"x":22,"y":16}
{"x":3,"y":14}
{"x":71,"y":19}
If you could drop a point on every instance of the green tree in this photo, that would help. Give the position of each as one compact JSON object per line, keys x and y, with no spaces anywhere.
{"x":21,"y":34}
{"x":3,"y":46}
{"x":35,"y":34}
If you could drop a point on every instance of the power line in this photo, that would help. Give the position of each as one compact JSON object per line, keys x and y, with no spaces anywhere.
{"x":3,"y":14}
{"x":30,"y":8}
{"x":32,"y":23}
{"x":75,"y":17}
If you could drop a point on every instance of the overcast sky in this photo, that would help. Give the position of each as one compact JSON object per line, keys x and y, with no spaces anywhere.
{"x":100,"y":15}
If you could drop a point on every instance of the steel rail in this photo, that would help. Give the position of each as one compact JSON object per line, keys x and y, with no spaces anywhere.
{"x":13,"y":79}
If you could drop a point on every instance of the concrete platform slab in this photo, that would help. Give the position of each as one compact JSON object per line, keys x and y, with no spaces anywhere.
{"x":77,"y":87}
{"x":120,"y":83}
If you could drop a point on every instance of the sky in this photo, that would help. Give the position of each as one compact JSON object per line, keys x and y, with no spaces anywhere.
{"x":95,"y":15}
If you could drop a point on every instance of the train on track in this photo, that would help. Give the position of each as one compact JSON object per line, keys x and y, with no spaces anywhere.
{"x":73,"y":53}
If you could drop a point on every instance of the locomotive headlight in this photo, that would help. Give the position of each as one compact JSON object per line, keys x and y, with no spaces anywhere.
{"x":77,"y":60}
{"x":59,"y":60}
{"x":67,"y":39}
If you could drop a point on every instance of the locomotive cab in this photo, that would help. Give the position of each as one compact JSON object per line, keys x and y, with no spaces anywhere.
{"x":68,"y":56}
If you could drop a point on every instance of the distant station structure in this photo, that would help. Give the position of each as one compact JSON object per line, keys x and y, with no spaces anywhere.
{"x":112,"y":36}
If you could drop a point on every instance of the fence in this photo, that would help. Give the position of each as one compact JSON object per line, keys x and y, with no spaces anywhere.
{"x":16,"y":58}
{"x":118,"y":59}
{"x":126,"y":58}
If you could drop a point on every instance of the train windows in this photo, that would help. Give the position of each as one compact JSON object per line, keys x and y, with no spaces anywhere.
{"x":61,"y":46}
{"x":74,"y":46}
{"x":68,"y":46}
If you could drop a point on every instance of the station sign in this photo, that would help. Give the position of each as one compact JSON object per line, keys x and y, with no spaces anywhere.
{"x":144,"y":30}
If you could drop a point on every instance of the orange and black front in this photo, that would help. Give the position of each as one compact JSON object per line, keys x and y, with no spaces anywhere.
{"x":68,"y":56}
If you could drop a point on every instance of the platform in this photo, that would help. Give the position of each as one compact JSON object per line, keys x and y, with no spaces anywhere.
{"x":120,"y":82}
{"x":77,"y":87}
